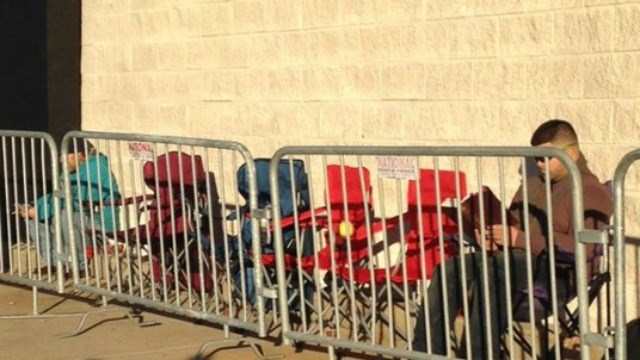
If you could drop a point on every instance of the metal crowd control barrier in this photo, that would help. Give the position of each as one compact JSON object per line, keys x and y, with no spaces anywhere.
{"x":620,"y":335}
{"x":30,"y":253}
{"x":158,"y":223}
{"x":355,"y":260}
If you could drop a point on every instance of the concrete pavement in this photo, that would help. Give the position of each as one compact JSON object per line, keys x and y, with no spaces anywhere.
{"x":109,"y":335}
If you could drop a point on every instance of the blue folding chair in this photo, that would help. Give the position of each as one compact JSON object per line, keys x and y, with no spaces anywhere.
{"x":293,"y":192}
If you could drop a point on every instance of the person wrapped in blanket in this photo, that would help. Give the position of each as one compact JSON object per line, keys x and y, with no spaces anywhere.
{"x":92,"y":185}
{"x":598,"y":208}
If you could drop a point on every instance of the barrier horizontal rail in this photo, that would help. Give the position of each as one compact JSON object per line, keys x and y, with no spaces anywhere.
{"x":30,"y":251}
{"x":342,"y":253}
{"x":159,"y":224}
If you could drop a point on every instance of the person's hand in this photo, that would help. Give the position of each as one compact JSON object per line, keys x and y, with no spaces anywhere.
{"x":25,"y":211}
{"x":494,"y":236}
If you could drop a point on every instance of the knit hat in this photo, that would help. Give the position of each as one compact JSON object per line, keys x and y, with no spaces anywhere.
{"x":79,"y":145}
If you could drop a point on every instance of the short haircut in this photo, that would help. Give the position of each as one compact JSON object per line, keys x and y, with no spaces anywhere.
{"x":556,"y":131}
{"x":80,"y":146}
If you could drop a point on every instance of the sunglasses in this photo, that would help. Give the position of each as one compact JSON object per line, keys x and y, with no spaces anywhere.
{"x":563,"y":148}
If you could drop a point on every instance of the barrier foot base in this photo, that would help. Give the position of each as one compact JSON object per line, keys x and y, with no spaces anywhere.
{"x":133,"y":315}
{"x":38,"y":316}
{"x":256,"y":349}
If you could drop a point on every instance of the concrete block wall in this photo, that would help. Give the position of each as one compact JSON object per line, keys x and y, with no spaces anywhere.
{"x":270,"y":73}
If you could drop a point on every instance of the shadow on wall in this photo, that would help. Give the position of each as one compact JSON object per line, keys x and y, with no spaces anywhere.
{"x":216,"y":211}
{"x":23,"y":65}
{"x":40,"y":66}
{"x":20,"y":184}
{"x":633,"y":247}
{"x":39,"y":79}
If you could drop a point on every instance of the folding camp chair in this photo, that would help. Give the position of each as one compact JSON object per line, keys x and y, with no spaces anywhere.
{"x":567,"y":315}
{"x":312,"y":262}
{"x":178,"y":180}
{"x":293,"y":195}
{"x":166,"y":228}
{"x":380,"y":287}
{"x":543,"y":303}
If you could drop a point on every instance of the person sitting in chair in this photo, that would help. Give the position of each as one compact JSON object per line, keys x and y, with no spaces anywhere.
{"x":91,"y":182}
{"x":598,"y":208}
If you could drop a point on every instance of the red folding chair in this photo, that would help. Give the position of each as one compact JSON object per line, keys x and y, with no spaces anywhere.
{"x":348,"y":202}
{"x":165,"y":229}
{"x":425,"y":221}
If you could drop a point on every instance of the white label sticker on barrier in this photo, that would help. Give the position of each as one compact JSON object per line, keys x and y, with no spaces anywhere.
{"x":141,"y":151}
{"x":396,"y":167}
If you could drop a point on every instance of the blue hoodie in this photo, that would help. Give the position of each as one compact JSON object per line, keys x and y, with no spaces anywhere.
{"x":91,"y":182}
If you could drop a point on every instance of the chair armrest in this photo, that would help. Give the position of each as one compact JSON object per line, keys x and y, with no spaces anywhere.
{"x":126,"y":201}
{"x":94,"y":205}
{"x":304,"y":218}
{"x":377,"y":225}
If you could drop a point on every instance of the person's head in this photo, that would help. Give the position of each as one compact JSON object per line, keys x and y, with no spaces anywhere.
{"x":558,"y":134}
{"x":78,"y":151}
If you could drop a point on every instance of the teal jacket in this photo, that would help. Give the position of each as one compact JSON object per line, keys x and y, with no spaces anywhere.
{"x":85,"y":186}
